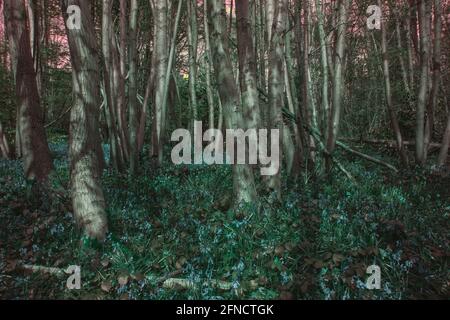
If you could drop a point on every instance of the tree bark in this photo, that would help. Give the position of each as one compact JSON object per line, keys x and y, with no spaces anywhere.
{"x":435,"y":77}
{"x":209,"y":67}
{"x":276,"y":81}
{"x":161,"y":58}
{"x":422,"y":96}
{"x":244,"y":186}
{"x":111,"y":77}
{"x":86,"y":155}
{"x":388,"y":93}
{"x":132,"y":90}
{"x":338,"y":80}
{"x":4,"y":146}
{"x":32,"y":137}
{"x":193,"y":45}
{"x":247,"y":66}
{"x":443,"y":155}
{"x":324,"y":63}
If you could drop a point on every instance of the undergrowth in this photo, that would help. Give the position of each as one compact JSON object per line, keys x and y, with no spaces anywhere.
{"x":177,"y":222}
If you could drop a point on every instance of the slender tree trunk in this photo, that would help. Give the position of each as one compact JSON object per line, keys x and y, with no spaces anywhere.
{"x":324,"y":62}
{"x":443,"y":155}
{"x":193,"y":44}
{"x":410,"y":48}
{"x":247,"y":66}
{"x":310,"y":106}
{"x":261,"y":49}
{"x":161,"y":58}
{"x":293,"y":103}
{"x":338,"y":80}
{"x":425,"y":8}
{"x":4,"y":146}
{"x":169,"y":68}
{"x":209,"y":90}
{"x":149,"y":92}
{"x":400,"y":49}
{"x":86,"y":153}
{"x":244,"y":186}
{"x":388,"y":94}
{"x":132,"y":90}
{"x":122,"y":73}
{"x":111,"y":77}
{"x":33,"y":141}
{"x":276,"y":80}
{"x":435,"y":78}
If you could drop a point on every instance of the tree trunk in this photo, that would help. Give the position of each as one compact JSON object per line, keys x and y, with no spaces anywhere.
{"x":244,"y":186}
{"x":276,"y":80}
{"x":425,"y":8}
{"x":209,"y":90}
{"x":443,"y":155}
{"x":247,"y":66}
{"x":132,"y":90}
{"x":111,"y":76}
{"x":4,"y":146}
{"x":338,"y":80}
{"x":435,"y":78}
{"x":324,"y":62}
{"x":161,"y":57}
{"x":33,"y":141}
{"x":86,"y":153}
{"x":193,"y":44}
{"x":388,"y":94}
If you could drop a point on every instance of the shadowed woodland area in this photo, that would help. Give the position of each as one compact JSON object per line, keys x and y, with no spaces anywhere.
{"x":92,"y":91}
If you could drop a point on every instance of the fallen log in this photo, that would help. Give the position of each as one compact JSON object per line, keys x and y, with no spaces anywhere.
{"x":389,"y":143}
{"x":42,"y":269}
{"x":184,"y":284}
{"x":178,"y":283}
{"x":316,"y":135}
{"x":365,"y":156}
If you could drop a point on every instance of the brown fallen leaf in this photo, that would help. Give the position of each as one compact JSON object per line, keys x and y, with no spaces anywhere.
{"x":253,"y":285}
{"x":105,"y":263}
{"x":106,"y":286}
{"x":279,"y":250}
{"x":123,"y":280}
{"x":318,"y":264}
{"x":338,"y":258}
{"x":11,"y":265}
{"x":180,"y":263}
{"x":138,"y":276}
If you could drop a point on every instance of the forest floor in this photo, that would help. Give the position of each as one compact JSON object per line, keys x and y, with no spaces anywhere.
{"x":176,"y":223}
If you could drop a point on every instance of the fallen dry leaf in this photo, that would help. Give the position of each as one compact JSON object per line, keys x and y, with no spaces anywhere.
{"x":106,"y":286}
{"x":123,"y":280}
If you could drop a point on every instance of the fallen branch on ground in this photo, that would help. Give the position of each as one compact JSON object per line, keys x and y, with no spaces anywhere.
{"x":177,"y":283}
{"x":389,"y":143}
{"x":340,"y":166}
{"x":163,"y":279}
{"x":42,"y":269}
{"x":365,"y":156}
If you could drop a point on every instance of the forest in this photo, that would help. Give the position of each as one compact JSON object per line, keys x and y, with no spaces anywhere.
{"x":224,"y":149}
